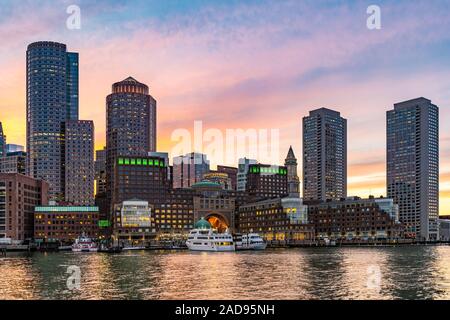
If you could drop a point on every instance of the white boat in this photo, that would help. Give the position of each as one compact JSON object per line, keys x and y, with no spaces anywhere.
{"x":204,"y":238}
{"x":133,"y":248}
{"x":84,"y":244}
{"x":250,"y":241}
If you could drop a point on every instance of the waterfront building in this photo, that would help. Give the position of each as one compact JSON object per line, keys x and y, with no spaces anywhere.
{"x":232,"y":174}
{"x":14,"y":148}
{"x":130,"y":125}
{"x":165,"y":156}
{"x":19,"y":194}
{"x":243,"y":167}
{"x":175,"y":214}
{"x":143,"y":178}
{"x":215,"y":204}
{"x":79,"y":162}
{"x":100,"y":183}
{"x":64,"y":224}
{"x":220,"y":178}
{"x":324,"y":155}
{"x":133,"y":223}
{"x":266,"y":181}
{"x":355,"y":219}
{"x":2,"y":142}
{"x":413,"y":165}
{"x":189,"y":169}
{"x":292,"y":177}
{"x":14,"y":162}
{"x":100,"y":171}
{"x":52,"y":99}
{"x":444,"y":229}
{"x":277,"y":219}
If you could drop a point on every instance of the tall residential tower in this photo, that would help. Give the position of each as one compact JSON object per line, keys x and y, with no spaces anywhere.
{"x":52,"y":110}
{"x":130,"y":124}
{"x":51,"y":84}
{"x":324,"y":155}
{"x":413,"y":165}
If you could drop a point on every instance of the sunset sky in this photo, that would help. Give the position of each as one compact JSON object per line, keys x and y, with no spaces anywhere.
{"x":247,"y":64}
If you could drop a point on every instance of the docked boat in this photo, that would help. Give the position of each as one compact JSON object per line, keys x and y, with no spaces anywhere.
{"x":84,"y":244}
{"x":250,"y":241}
{"x":126,"y":248}
{"x":204,"y":238}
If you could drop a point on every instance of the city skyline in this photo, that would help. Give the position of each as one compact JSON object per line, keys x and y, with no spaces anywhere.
{"x":190,"y":84}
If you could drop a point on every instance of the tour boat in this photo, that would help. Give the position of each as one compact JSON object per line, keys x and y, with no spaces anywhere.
{"x":250,"y":241}
{"x":204,"y":238}
{"x":133,"y":248}
{"x":84,"y":244}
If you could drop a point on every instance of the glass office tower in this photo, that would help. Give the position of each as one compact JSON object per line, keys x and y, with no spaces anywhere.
{"x":413,"y":165}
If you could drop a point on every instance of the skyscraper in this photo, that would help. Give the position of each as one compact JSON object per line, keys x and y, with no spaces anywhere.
{"x":100,"y":171}
{"x":292,"y":177}
{"x":72,"y":85}
{"x":413,"y":165}
{"x":324,"y":155}
{"x":52,"y":98}
{"x":130,"y":124}
{"x":189,"y":169}
{"x":79,"y":162}
{"x":2,"y":142}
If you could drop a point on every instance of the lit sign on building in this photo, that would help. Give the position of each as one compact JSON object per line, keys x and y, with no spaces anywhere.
{"x":268,"y":170}
{"x":141,"y":162}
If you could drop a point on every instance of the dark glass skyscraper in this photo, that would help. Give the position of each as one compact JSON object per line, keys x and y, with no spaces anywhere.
{"x":52,"y":98}
{"x":72,"y":85}
{"x":130,"y":124}
{"x":324,"y":155}
{"x":413,"y":165}
{"x":2,"y":142}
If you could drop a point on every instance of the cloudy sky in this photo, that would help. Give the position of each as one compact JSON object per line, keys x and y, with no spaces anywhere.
{"x":252,"y":64}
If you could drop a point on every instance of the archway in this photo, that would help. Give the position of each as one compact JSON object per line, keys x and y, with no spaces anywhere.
{"x":218,"y":222}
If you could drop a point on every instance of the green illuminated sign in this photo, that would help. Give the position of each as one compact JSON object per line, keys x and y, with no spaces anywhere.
{"x":141,"y":162}
{"x":272,"y":170}
{"x":103,"y":223}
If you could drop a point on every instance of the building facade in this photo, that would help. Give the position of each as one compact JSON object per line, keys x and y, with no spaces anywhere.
{"x":2,"y":142}
{"x":79,"y":162}
{"x":413,"y":165}
{"x":133,"y":223}
{"x":52,"y":99}
{"x":232,"y":174}
{"x":266,"y":181}
{"x":355,"y":219}
{"x":324,"y":155}
{"x":278,"y":219}
{"x":65,"y":223}
{"x":220,"y":178}
{"x":100,"y":171}
{"x":215,"y":204}
{"x":189,"y":169}
{"x":14,"y":162}
{"x":292,"y":177}
{"x":243,"y":167}
{"x":19,"y":195}
{"x":14,"y":148}
{"x":143,"y":178}
{"x":130,"y":125}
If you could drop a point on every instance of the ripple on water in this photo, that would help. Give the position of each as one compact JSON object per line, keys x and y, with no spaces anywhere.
{"x":417,"y":272}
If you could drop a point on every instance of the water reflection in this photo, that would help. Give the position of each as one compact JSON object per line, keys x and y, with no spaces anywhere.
{"x":318,"y":273}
